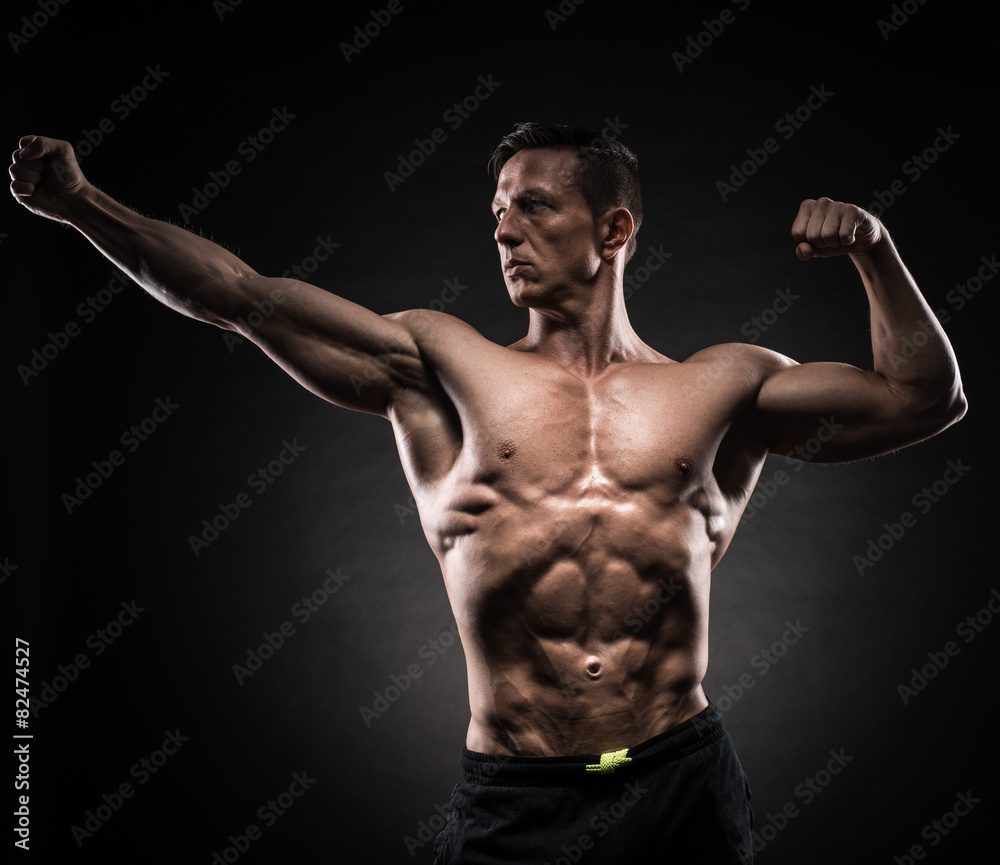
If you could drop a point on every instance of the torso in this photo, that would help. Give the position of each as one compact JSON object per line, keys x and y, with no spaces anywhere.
{"x":577,"y":520}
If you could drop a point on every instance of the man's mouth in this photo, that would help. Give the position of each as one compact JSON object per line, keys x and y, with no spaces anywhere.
{"x":514,"y":267}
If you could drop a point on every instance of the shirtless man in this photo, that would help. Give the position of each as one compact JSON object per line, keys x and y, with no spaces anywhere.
{"x":565,"y":480}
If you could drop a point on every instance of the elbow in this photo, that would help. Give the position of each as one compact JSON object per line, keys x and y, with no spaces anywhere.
{"x":942,"y":413}
{"x":953,"y":405}
{"x":958,"y":405}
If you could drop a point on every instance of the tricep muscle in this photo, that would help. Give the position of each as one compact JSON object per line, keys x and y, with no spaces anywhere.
{"x":339,"y":350}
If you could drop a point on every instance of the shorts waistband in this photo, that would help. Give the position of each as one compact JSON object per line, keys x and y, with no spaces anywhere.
{"x":679,"y":741}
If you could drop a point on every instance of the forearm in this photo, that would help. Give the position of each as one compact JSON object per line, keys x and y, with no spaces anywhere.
{"x":911,"y":350}
{"x":182,"y":270}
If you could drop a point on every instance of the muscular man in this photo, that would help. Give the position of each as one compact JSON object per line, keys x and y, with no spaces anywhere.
{"x":566,"y":480}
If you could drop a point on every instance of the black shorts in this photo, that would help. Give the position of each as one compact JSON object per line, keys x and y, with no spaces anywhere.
{"x":680,"y":797}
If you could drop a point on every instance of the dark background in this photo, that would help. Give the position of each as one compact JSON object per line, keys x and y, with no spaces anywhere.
{"x":343,"y":503}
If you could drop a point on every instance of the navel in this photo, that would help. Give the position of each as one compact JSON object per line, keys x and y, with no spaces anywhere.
{"x":593,"y":667}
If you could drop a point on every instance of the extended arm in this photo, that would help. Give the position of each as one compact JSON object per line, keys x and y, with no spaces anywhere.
{"x":338,"y":349}
{"x":914,"y":390}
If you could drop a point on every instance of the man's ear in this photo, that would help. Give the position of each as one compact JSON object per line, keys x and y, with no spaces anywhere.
{"x":618,"y":228}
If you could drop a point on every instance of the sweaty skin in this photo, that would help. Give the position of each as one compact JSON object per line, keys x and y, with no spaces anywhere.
{"x":577,"y":487}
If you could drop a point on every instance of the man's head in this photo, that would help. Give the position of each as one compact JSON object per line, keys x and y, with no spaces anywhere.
{"x":607,"y":172}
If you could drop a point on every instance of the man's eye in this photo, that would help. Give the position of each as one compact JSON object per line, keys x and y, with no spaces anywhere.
{"x":500,"y":213}
{"x":534,"y":204}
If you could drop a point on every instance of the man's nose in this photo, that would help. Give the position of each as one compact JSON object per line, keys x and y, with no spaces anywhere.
{"x":507,"y":231}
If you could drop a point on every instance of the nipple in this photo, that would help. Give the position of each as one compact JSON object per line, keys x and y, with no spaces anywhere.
{"x":683,"y":465}
{"x":505,"y":450}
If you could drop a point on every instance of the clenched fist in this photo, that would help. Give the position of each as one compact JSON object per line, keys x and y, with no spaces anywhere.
{"x":824,"y":228}
{"x":45,"y":176}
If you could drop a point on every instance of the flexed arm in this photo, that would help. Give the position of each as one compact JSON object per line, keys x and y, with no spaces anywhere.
{"x":910,"y":394}
{"x":338,"y":349}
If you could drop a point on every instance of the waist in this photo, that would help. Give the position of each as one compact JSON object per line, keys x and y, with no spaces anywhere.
{"x":679,"y":741}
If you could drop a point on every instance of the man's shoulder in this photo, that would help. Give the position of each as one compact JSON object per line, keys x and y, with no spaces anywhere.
{"x":734,"y":368}
{"x":741,"y":355}
{"x":431,"y":323}
{"x":439,"y":335}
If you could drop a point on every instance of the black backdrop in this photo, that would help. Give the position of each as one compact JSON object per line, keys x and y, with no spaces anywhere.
{"x":852,"y":578}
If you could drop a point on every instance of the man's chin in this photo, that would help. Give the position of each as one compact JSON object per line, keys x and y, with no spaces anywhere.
{"x":524,"y":299}
{"x":526,"y":294}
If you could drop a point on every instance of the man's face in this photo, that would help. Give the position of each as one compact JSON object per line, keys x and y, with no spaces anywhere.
{"x":547,"y":238}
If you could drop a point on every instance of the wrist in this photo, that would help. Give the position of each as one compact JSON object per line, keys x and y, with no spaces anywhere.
{"x":879,"y":252}
{"x":80,"y":204}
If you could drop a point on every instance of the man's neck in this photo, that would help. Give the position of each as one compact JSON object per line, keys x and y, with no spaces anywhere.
{"x":585,"y":338}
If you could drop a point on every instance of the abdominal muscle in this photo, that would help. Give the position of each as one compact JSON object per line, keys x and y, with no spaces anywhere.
{"x":584,"y":618}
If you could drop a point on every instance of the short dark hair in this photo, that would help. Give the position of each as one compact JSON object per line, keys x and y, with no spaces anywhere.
{"x":607,"y":173}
